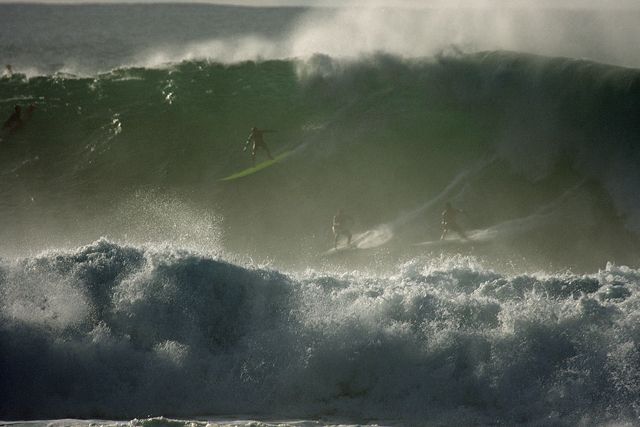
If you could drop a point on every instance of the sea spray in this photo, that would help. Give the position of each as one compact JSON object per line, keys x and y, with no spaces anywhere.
{"x":201,"y":297}
{"x":117,"y":331}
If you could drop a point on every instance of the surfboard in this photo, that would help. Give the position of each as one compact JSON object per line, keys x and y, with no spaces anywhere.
{"x":257,"y":168}
{"x":340,"y":249}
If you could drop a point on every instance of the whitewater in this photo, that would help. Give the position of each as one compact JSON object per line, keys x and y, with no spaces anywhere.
{"x":137,"y":287}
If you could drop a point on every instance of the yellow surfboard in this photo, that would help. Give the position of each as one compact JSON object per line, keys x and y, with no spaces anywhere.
{"x":257,"y":168}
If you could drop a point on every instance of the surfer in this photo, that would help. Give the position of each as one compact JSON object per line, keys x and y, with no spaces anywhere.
{"x":30,"y":109}
{"x":340,"y":228}
{"x":14,"y":121}
{"x":257,"y":139}
{"x":449,"y":222}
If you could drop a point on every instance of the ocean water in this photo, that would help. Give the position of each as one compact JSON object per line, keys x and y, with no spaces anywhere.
{"x":137,"y":288}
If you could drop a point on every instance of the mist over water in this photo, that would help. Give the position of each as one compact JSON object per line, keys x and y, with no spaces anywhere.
{"x":600,"y":35}
{"x":134,"y":282}
{"x":36,"y":38}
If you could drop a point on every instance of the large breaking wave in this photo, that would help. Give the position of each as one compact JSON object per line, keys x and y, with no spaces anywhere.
{"x":175,"y":313}
{"x":390,"y":140}
{"x":120,"y":331}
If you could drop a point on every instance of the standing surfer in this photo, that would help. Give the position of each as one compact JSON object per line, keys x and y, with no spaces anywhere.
{"x":450,"y":223}
{"x":339,"y":228}
{"x":257,"y":140}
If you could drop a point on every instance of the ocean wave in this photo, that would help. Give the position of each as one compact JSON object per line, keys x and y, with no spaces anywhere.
{"x":387,"y":138}
{"x":109,"y":331}
{"x":133,"y":35}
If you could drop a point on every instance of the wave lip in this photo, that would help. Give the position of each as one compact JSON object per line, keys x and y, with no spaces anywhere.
{"x":108,"y":37}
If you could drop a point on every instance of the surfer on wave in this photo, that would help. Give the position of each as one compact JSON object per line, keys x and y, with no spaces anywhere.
{"x":256,"y":138}
{"x":450,"y":223}
{"x":14,"y":121}
{"x":339,"y":228}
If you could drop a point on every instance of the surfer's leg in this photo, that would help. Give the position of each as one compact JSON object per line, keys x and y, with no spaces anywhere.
{"x":267,"y":150}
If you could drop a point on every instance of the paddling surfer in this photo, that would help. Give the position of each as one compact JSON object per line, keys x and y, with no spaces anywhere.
{"x":14,"y":121}
{"x":450,"y":223}
{"x":256,"y":139}
{"x":339,"y":228}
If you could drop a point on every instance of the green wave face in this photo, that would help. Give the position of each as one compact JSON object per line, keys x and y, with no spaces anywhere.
{"x":378,"y":137}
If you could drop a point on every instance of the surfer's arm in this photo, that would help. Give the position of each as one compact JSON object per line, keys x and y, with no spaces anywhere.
{"x":247,"y":142}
